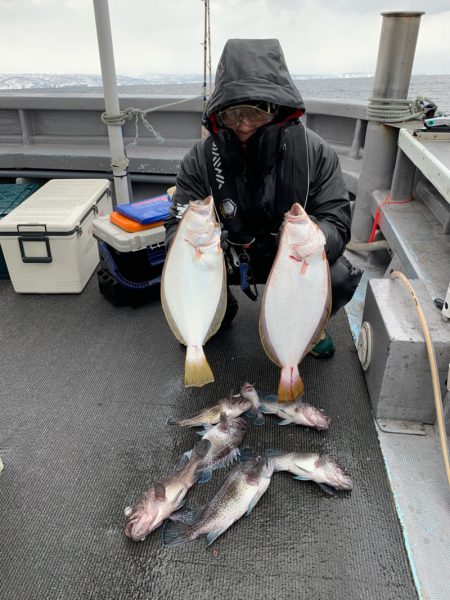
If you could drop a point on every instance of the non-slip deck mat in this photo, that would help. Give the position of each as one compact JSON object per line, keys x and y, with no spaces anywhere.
{"x":86,"y":389}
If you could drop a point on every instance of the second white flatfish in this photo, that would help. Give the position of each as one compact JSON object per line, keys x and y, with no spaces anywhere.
{"x":297,"y":299}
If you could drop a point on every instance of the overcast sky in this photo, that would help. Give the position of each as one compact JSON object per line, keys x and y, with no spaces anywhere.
{"x":165,"y":36}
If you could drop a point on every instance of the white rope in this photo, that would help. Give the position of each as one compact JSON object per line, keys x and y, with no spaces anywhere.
{"x":395,"y":110}
{"x":140,"y":115}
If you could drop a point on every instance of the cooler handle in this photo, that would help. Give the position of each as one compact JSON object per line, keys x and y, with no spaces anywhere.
{"x":34,"y":236}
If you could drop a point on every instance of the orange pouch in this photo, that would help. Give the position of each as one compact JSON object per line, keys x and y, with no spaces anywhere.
{"x":128,"y":224}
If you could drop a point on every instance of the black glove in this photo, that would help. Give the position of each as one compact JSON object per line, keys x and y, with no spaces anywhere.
{"x":223,"y":238}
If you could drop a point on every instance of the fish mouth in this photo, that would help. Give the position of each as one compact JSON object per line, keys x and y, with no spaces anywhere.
{"x":248,"y":387}
{"x":336,"y":475}
{"x":297,"y":214}
{"x":137,"y":528}
{"x":316,"y":416}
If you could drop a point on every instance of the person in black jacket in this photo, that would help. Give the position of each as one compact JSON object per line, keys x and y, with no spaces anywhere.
{"x":258,"y":159}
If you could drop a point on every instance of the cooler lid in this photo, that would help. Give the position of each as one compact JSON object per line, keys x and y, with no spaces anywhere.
{"x":124,"y":241}
{"x":60,"y":205}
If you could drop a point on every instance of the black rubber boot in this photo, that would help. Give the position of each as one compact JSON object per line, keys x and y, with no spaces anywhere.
{"x":231,"y":310}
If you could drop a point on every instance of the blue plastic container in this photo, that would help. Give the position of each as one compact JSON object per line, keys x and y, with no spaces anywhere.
{"x":11,"y":195}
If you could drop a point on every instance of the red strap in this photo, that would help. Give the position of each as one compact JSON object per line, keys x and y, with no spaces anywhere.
{"x":377,"y":213}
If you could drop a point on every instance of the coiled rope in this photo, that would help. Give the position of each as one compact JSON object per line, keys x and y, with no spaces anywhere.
{"x":395,"y":110}
{"x":139,"y":115}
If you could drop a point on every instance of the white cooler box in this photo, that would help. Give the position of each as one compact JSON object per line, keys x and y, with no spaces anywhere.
{"x":47,"y":240}
{"x":123,"y":241}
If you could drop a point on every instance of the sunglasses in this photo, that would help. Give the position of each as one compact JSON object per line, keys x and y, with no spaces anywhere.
{"x":252,"y":115}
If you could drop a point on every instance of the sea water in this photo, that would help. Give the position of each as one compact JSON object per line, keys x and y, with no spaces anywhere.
{"x":343,"y":87}
{"x":434,"y":87}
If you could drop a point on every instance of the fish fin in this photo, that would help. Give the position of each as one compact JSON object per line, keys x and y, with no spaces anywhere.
{"x":246,"y":454}
{"x":201,"y":433}
{"x":315,"y":338}
{"x":184,"y":459}
{"x":303,"y":468}
{"x":165,"y":305}
{"x":184,"y":515}
{"x":285,"y":422}
{"x":268,"y":409}
{"x":175,"y":533}
{"x":178,"y":501}
{"x":270,"y":398}
{"x":264,"y":330}
{"x":259,"y":420}
{"x":197,"y":255}
{"x":197,"y":371}
{"x":213,"y":535}
{"x":290,"y":386}
{"x":223,"y":423}
{"x":221,"y":307}
{"x":201,"y":449}
{"x":328,"y":489}
{"x":270,"y":452}
{"x":205,"y":476}
{"x":172,"y":421}
{"x":254,"y":502}
{"x":300,"y":478}
{"x":304,"y":267}
{"x":284,"y":411}
{"x":160,"y":491}
{"x":255,"y":416}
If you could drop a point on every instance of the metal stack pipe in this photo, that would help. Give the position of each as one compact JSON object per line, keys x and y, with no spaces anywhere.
{"x":396,"y":51}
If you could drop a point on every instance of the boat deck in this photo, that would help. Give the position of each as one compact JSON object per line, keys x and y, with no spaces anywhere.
{"x":86,"y":392}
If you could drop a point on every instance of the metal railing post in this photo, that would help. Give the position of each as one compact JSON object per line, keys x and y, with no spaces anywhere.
{"x":119,"y":161}
{"x":392,"y":77}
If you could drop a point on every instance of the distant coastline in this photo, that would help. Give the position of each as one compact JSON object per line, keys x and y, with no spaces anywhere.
{"x":48,"y":80}
{"x":344,"y":86}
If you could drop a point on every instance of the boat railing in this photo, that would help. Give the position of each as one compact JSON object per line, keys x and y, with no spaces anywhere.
{"x":59,"y":131}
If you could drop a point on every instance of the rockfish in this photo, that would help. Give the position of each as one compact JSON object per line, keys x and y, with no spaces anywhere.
{"x":163,"y":498}
{"x":231,"y":407}
{"x":299,"y":413}
{"x":237,"y":497}
{"x":306,"y":466}
{"x":225,"y":439}
{"x":297,"y":299}
{"x":193,"y":287}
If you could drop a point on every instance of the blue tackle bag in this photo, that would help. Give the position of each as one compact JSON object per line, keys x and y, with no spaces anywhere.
{"x":147,"y":211}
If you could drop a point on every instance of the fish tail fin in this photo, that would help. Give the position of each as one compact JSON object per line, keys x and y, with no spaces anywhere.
{"x":291,"y":385}
{"x":175,"y":533}
{"x":197,"y":371}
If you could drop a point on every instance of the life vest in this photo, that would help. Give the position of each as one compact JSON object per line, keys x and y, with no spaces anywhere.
{"x":282,"y":154}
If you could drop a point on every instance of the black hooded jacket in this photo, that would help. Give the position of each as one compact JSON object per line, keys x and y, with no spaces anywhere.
{"x":283,"y":162}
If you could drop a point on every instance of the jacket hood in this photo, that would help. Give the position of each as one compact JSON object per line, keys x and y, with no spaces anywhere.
{"x":250,"y":70}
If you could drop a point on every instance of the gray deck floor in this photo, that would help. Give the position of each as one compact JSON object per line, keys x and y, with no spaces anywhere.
{"x":86,"y":391}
